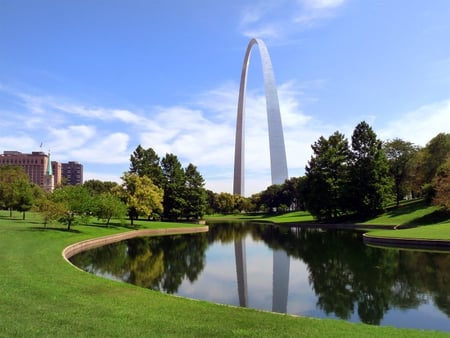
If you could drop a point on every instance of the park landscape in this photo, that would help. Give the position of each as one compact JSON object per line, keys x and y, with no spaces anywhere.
{"x":92,"y":82}
{"x":43,"y":295}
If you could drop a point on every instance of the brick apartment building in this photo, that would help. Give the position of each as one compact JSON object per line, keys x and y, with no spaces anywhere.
{"x":42,"y":171}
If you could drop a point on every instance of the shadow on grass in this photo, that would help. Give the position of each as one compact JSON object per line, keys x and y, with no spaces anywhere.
{"x":406,"y":208}
{"x":42,"y":228}
{"x":437,"y":216}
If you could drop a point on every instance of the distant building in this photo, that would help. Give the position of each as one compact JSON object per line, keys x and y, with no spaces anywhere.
{"x":72,"y":172}
{"x":37,"y":165}
{"x":42,"y":171}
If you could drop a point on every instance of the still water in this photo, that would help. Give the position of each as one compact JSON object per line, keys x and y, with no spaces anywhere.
{"x":307,"y":272}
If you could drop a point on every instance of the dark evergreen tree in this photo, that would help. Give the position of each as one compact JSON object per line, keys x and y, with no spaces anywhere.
{"x":174,"y":202}
{"x":145,"y":162}
{"x":370,"y":182}
{"x":195,"y":194}
{"x":294,"y":194}
{"x":327,"y":177}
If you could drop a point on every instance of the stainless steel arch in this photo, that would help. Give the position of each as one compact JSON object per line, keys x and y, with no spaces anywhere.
{"x":278,"y":163}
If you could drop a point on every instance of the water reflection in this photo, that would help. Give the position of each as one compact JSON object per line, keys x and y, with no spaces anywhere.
{"x":298,"y":271}
{"x":241,"y":271}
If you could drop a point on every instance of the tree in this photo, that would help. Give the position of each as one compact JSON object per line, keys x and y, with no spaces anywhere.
{"x":274,"y":198}
{"x":23,"y":196}
{"x":441,"y":185}
{"x":78,"y":202}
{"x":224,"y":203}
{"x":370,"y":183}
{"x":13,"y":179}
{"x":293,"y":189}
{"x":400,"y":155}
{"x":109,"y":206}
{"x":174,"y":202}
{"x":428,"y":161}
{"x":98,"y":187}
{"x":327,"y":177}
{"x":141,"y":195}
{"x":436,"y":153}
{"x":145,"y":162}
{"x":195,"y":195}
{"x":51,"y":210}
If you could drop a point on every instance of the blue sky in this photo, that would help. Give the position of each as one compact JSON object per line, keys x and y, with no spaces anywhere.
{"x":91,"y":80}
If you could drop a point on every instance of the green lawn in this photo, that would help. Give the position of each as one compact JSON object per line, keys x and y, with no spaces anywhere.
{"x":44,"y":296}
{"x":411,"y":213}
{"x":434,"y":232}
{"x":290,"y":217}
{"x":426,"y":222}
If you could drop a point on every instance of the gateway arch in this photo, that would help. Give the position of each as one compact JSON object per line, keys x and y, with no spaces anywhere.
{"x":278,"y":169}
{"x":278,"y":163}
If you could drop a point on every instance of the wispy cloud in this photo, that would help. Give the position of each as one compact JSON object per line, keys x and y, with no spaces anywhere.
{"x":280,"y":19}
{"x":313,"y":11}
{"x":201,"y":133}
{"x":420,"y":125}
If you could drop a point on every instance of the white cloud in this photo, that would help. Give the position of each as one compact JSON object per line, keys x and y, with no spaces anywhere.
{"x":279,"y":19}
{"x":64,"y":139}
{"x":322,"y":4}
{"x":20,"y":143}
{"x":201,"y":133}
{"x":313,"y":11}
{"x":110,"y":149}
{"x":419,"y":126}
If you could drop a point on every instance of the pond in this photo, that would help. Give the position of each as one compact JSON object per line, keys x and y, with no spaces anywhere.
{"x":306,"y":272}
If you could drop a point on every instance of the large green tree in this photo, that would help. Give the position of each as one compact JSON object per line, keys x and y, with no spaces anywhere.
{"x":78,"y":202}
{"x":145,"y":162}
{"x":436,"y":153}
{"x":174,"y":187}
{"x":370,"y":182}
{"x":24,"y":196}
{"x":110,"y":205}
{"x":14,"y":188}
{"x":99,"y":187}
{"x":141,"y":196}
{"x":195,"y":194}
{"x":400,"y":155}
{"x":441,"y":184}
{"x":428,"y":161}
{"x":327,"y":177}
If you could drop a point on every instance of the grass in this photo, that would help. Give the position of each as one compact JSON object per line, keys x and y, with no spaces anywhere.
{"x":43,"y":296}
{"x":410,"y":213}
{"x":413,"y":220}
{"x":291,"y":217}
{"x":433,"y":232}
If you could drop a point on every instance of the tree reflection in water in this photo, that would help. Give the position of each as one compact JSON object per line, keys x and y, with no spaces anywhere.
{"x":347,"y":277}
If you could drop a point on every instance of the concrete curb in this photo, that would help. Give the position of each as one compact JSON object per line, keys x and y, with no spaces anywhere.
{"x":408,"y":243}
{"x":88,"y":244}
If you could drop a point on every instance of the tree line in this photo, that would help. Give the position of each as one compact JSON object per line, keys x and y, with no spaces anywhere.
{"x":356,"y":178}
{"x":152,"y":188}
{"x":362,"y":177}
